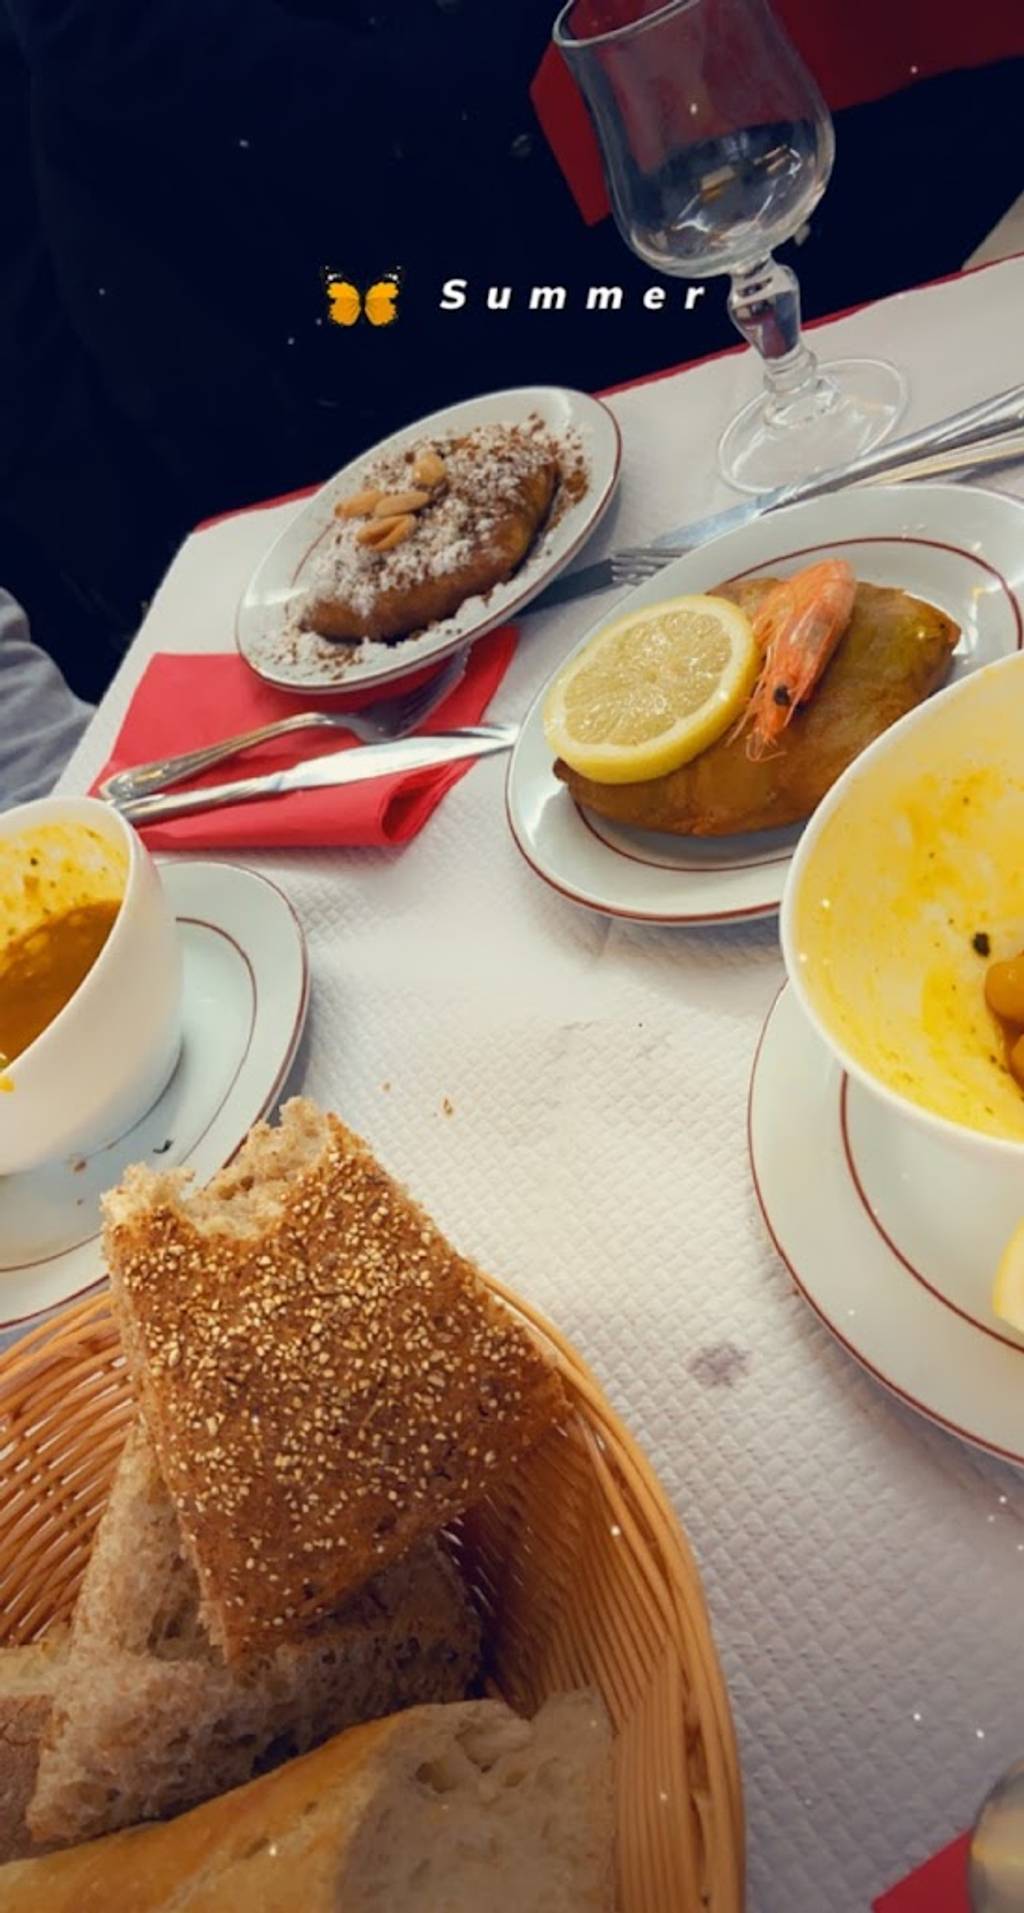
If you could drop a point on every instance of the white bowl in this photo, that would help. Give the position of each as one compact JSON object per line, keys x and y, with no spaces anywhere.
{"x":918,"y":847}
{"x":894,"y":876}
{"x":111,"y":1050}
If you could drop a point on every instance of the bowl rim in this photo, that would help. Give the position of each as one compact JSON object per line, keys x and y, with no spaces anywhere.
{"x":1008,"y":1148}
{"x":74,"y":809}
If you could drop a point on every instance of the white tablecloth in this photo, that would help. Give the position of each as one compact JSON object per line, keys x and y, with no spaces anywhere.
{"x":865,"y":1571}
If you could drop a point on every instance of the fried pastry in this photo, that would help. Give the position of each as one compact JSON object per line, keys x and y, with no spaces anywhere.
{"x":894,"y":653}
{"x":431,"y":526}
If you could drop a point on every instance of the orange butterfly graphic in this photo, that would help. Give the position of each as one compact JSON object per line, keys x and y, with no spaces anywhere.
{"x":346,"y":304}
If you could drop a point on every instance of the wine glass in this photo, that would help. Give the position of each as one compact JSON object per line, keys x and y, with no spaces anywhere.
{"x":717,"y":146}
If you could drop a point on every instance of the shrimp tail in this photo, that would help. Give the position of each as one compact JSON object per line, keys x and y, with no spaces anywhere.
{"x":797,"y":626}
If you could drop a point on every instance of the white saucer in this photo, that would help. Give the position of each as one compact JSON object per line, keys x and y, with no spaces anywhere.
{"x":897,"y":1261}
{"x":956,"y":546}
{"x":246,"y":993}
{"x":317,"y":664}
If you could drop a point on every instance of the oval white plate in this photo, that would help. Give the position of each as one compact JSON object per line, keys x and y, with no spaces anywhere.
{"x":330,"y":667}
{"x":245,"y":998}
{"x":961,"y":549}
{"x":886,"y":1256}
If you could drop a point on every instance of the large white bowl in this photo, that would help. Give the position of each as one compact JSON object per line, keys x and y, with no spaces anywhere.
{"x":919,"y":847}
{"x":108,"y":1055}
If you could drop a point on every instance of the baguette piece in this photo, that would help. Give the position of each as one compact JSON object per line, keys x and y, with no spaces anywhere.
{"x":148,"y":1720}
{"x":324,"y":1378}
{"x":28,"y":1677}
{"x":437,"y":1810}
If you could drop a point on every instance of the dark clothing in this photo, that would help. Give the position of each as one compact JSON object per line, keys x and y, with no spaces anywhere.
{"x":182,"y":174}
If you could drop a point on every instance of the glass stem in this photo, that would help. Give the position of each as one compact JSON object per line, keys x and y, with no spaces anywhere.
{"x":764,"y":304}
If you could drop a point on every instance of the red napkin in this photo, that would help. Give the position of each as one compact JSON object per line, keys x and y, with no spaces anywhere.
{"x":940,"y":1886}
{"x":183,"y":701}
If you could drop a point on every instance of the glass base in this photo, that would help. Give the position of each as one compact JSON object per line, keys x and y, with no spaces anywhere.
{"x":853,"y":406}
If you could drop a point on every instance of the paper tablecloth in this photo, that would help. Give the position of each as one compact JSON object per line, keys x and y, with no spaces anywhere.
{"x":864,"y":1570}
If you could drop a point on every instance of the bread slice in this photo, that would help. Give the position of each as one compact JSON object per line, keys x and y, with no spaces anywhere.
{"x":325,"y":1379}
{"x":28,"y":1676}
{"x":438,"y":1810}
{"x":148,"y":1720}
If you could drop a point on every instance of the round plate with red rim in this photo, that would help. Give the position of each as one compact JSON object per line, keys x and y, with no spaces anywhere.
{"x":896,"y":1259}
{"x":310,"y":663}
{"x":956,"y":547}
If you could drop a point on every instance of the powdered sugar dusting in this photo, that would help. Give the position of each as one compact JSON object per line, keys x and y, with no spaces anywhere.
{"x":484,"y":471}
{"x":268,"y":635}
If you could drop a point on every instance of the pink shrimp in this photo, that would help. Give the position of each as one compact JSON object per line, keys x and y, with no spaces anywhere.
{"x":797,"y":627}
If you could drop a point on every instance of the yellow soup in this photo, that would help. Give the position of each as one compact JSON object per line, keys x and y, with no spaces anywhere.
{"x":61,"y":887}
{"x":40,"y":972}
{"x":909,"y":893}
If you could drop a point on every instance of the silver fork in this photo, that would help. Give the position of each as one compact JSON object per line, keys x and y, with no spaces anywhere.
{"x":634,"y":564}
{"x":379,"y":723}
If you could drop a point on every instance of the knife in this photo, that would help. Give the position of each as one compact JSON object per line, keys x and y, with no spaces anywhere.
{"x":353,"y":766}
{"x":981,"y":435}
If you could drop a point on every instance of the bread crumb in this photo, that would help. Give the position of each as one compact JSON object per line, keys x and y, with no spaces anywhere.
{"x":448,"y":1106}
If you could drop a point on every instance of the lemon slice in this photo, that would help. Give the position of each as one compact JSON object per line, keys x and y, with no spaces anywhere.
{"x":652,"y":690}
{"x":1008,"y":1287}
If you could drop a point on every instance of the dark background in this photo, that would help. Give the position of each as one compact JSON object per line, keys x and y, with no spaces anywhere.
{"x":176,"y":176}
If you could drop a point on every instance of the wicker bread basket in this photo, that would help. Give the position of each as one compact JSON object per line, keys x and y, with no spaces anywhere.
{"x":579,"y":1568}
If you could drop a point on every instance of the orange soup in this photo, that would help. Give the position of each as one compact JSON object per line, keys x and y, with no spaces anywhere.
{"x":40,"y":971}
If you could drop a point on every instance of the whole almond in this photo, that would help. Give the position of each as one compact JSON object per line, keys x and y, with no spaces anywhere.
{"x":428,"y":469}
{"x":383,"y":534}
{"x":396,"y":504}
{"x":360,"y":505}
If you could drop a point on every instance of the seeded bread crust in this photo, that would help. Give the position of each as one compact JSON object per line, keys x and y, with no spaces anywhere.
{"x":324,"y":1378}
